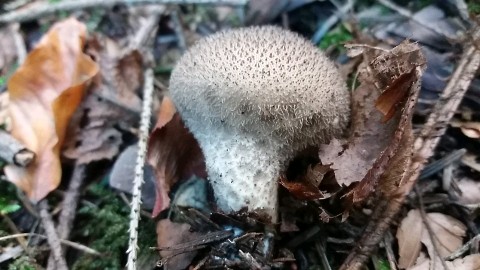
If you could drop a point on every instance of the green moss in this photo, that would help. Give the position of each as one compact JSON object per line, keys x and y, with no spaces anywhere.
{"x":24,"y":263}
{"x":336,"y":37}
{"x":473,"y":7}
{"x":105,"y":226}
{"x":8,"y":198}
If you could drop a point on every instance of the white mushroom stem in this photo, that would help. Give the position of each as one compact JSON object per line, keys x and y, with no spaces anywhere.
{"x":241,"y":168}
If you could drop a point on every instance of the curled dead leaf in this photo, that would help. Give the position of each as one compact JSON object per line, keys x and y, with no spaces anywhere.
{"x":382,"y":109}
{"x":44,"y":93}
{"x":173,"y":152}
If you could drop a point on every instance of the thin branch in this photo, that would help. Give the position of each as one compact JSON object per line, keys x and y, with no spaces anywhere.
{"x":64,"y":242}
{"x":430,"y":232}
{"x":52,"y":237}
{"x":149,"y":27}
{"x":19,"y":43}
{"x":460,"y":251}
{"x":69,"y":207}
{"x":331,"y":21}
{"x":13,"y":152}
{"x":21,"y":240}
{"x":138,"y":181}
{"x":47,"y":8}
{"x":177,"y":27}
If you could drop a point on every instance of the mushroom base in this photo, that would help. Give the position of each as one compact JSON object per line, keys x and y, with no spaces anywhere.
{"x":243,"y":171}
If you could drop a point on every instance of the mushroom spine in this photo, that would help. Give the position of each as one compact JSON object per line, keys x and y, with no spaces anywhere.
{"x":253,"y":97}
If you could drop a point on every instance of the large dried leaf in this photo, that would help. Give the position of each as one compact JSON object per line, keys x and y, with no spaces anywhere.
{"x":173,"y":152}
{"x":44,"y":93}
{"x":446,"y":232}
{"x":381,"y":115}
{"x":111,"y":107}
{"x":408,"y":234}
{"x":470,"y":262}
{"x":469,"y":191}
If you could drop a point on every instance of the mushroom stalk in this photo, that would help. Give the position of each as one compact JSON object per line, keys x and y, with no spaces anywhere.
{"x":254,"y":97}
{"x":241,"y":168}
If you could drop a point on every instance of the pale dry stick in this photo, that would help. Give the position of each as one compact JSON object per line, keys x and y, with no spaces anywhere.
{"x":145,"y":32}
{"x":141,"y":39}
{"x":138,"y":180}
{"x":21,"y":240}
{"x":387,"y":240}
{"x":177,"y":27}
{"x":463,"y":249}
{"x":52,"y":237}
{"x":63,"y":241}
{"x":13,"y":152}
{"x":424,"y":147}
{"x":37,"y":11}
{"x":69,"y":207}
{"x":408,"y":14}
{"x":432,"y":235}
{"x":19,"y":43}
{"x":331,"y":21}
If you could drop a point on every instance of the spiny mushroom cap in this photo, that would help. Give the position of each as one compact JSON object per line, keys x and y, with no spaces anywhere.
{"x":262,"y":80}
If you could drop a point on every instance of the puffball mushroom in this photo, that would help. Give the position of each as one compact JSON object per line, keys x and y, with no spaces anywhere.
{"x":254,"y":97}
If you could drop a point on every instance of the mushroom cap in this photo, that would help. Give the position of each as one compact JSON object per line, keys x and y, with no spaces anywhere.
{"x":263,"y":80}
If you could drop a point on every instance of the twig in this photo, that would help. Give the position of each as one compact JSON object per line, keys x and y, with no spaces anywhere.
{"x":430,"y":232}
{"x":145,"y":32}
{"x":323,"y":256}
{"x":21,"y":240}
{"x":138,"y":180}
{"x":408,"y":14}
{"x":52,"y":237}
{"x":438,"y":165}
{"x":331,"y":21}
{"x":424,"y":147}
{"x":19,"y":43}
{"x":47,"y":8}
{"x":13,"y":152}
{"x":460,"y":251}
{"x":63,"y":241}
{"x":177,"y":27}
{"x":388,"y":247}
{"x":69,"y":207}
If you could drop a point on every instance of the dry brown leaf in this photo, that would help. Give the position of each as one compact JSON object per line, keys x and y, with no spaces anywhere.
{"x":469,"y":129}
{"x":382,"y":109}
{"x":408,"y":235}
{"x":173,"y":152}
{"x":470,"y":191}
{"x":111,"y":107}
{"x":470,"y":262}
{"x":308,"y":186}
{"x":447,"y":232}
{"x":471,"y":160}
{"x":44,"y":93}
